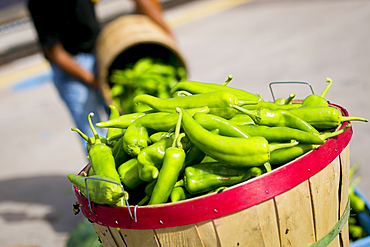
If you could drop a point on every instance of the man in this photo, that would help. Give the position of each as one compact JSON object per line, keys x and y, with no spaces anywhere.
{"x":67,"y":32}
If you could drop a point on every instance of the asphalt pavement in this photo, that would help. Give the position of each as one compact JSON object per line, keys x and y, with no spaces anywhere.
{"x":258,"y":41}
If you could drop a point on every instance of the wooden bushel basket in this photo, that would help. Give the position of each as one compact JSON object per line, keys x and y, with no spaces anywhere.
{"x":297,"y":204}
{"x":128,"y":38}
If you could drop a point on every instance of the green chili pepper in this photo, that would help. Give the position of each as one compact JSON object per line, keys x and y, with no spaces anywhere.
{"x":322,"y":117}
{"x":270,"y":106}
{"x":284,"y":134}
{"x":241,"y":119}
{"x":194,"y":87}
{"x":164,"y":121}
{"x":219,"y":103}
{"x":111,"y":141}
{"x":129,"y":173}
{"x":225,"y":127}
{"x":205,"y":177}
{"x":90,"y":172}
{"x":150,"y":159}
{"x":179,"y":193}
{"x":218,"y":190}
{"x":137,"y":136}
{"x":101,"y":192}
{"x":357,"y":232}
{"x":318,"y":100}
{"x":239,"y":152}
{"x":278,"y":118}
{"x":157,"y":136}
{"x":101,"y":157}
{"x":149,"y":188}
{"x":173,"y":163}
{"x":286,"y":155}
{"x":357,"y":204}
{"x":283,"y":156}
{"x":119,"y":154}
{"x":282,"y":101}
{"x":352,"y":220}
{"x":148,"y":192}
{"x":208,"y":159}
{"x":135,"y":139}
{"x":122,"y":121}
{"x":194,"y":155}
{"x":114,"y":113}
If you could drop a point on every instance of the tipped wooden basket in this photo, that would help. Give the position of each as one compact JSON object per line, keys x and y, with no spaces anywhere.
{"x":302,"y":203}
{"x":129,"y":38}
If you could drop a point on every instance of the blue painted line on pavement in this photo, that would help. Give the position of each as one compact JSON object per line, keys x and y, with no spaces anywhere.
{"x":32,"y":82}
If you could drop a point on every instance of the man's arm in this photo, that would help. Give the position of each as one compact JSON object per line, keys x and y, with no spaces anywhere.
{"x":153,"y":9}
{"x":63,"y":59}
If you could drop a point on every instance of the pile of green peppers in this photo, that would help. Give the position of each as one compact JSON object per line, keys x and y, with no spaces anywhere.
{"x":358,"y":207}
{"x":147,"y":75}
{"x":203,"y":139}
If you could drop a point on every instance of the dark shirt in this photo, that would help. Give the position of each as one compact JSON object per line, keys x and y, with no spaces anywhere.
{"x":71,"y":22}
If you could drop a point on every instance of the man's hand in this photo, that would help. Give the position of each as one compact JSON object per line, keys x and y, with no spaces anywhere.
{"x":96,"y":83}
{"x":63,"y":59}
{"x":153,"y":9}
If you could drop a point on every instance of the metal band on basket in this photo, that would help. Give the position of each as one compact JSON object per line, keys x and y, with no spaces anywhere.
{"x":328,"y":238}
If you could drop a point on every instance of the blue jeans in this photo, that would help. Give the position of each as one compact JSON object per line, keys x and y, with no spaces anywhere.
{"x":80,"y":98}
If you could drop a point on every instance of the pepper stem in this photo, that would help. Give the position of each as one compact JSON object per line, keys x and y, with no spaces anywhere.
{"x":112,"y":139}
{"x":179,"y":144}
{"x":267,"y":166}
{"x":273,"y":147}
{"x":323,"y":94}
{"x":125,"y":195}
{"x":183,"y":93}
{"x":229,"y":78}
{"x":349,"y":118}
{"x":289,"y":99}
{"x":178,"y":126}
{"x":253,"y":172}
{"x":143,"y":201}
{"x":180,"y":183}
{"x":85,"y":137}
{"x":248,"y":102}
{"x":327,"y":135}
{"x":115,"y":137}
{"x":255,"y":115}
{"x":95,"y":133}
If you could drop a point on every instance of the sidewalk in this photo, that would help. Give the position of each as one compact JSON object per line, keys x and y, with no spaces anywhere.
{"x":39,"y":152}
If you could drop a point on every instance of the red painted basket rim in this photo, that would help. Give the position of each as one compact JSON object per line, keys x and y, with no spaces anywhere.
{"x":231,"y":200}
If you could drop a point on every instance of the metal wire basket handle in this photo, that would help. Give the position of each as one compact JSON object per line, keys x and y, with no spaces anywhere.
{"x":88,"y":194}
{"x":288,"y":82}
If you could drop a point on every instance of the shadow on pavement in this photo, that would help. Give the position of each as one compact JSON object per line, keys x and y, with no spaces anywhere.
{"x":53,"y":192}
